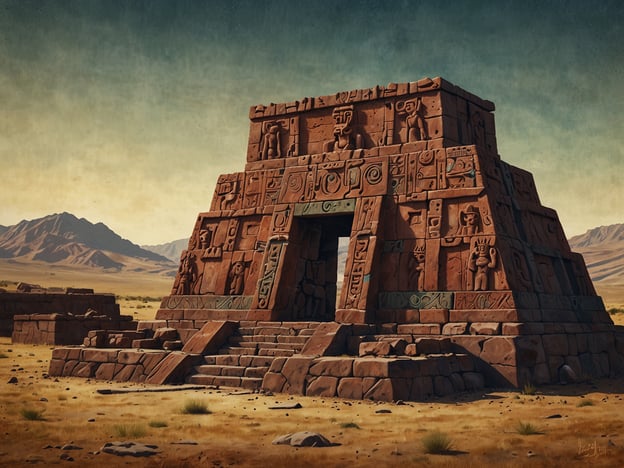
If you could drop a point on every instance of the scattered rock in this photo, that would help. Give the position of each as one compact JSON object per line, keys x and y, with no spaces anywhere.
{"x":185,"y":442}
{"x":66,"y":457}
{"x":133,"y":449}
{"x":70,"y":447}
{"x":553,"y":416}
{"x":12,"y":380}
{"x":286,"y":406}
{"x":383,"y":411}
{"x":303,"y":439}
{"x":44,"y":399}
{"x":530,"y":453}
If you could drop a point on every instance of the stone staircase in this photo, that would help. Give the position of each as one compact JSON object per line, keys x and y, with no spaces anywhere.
{"x":248,"y":354}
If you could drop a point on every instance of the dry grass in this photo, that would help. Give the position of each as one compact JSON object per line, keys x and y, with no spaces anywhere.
{"x":436,"y":442}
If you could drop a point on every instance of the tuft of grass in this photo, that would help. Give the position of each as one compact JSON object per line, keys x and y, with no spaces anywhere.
{"x":523,"y":428}
{"x":583,"y":403}
{"x":436,"y":442}
{"x":615,"y":310}
{"x":528,"y":389}
{"x":195,"y":407}
{"x":32,"y":414}
{"x":3,"y":356}
{"x":350,"y":425}
{"x":157,"y":424}
{"x":129,"y":430}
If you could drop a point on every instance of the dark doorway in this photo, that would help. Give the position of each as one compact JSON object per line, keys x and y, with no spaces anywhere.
{"x":316,"y":276}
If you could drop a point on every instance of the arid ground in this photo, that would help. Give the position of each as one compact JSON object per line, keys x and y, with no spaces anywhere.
{"x":575,"y":425}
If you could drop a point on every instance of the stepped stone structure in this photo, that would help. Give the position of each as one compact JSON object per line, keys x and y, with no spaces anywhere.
{"x":456,"y":276}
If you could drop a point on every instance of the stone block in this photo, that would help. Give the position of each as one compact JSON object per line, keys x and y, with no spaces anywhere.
{"x":375,"y":348}
{"x":324,"y":386}
{"x":273,"y":382}
{"x":434,"y":315}
{"x":473,"y":381}
{"x":485,"y":328}
{"x":336,"y":367}
{"x":350,"y":387}
{"x":329,"y":339}
{"x":295,"y":371}
{"x":454,"y":328}
{"x":382,"y":390}
{"x":499,"y":350}
{"x":105,"y":371}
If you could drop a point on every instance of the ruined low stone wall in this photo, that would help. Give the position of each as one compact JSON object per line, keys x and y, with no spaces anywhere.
{"x":121,"y":365}
{"x":68,"y":302}
{"x":374,"y":378}
{"x":60,"y":329}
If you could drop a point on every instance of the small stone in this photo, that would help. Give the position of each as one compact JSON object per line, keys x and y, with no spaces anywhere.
{"x":91,"y":420}
{"x":286,"y":406}
{"x":66,"y":457}
{"x":44,"y":399}
{"x":553,"y":416}
{"x":530,"y":453}
{"x":383,"y":411}
{"x":12,"y":380}
{"x":70,"y":446}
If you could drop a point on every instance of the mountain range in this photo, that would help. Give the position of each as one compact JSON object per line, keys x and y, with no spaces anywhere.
{"x":67,"y":240}
{"x":603,"y":250}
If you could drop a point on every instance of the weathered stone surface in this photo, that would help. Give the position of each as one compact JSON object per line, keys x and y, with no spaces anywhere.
{"x":210,"y":337}
{"x":173,"y":368}
{"x":303,"y":439}
{"x":323,"y":386}
{"x":132,"y":449}
{"x":295,"y":371}
{"x":336,"y":367}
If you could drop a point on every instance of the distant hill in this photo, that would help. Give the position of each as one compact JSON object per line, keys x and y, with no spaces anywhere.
{"x":65,"y":239}
{"x":603,"y":250}
{"x":171,"y":250}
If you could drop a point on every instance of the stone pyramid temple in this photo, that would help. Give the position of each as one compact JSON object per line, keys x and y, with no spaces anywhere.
{"x":456,"y":277}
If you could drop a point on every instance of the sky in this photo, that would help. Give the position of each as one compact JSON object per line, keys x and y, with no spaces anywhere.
{"x":126,"y":112}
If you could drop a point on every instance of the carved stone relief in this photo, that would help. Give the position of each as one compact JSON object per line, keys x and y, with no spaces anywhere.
{"x":483,"y":259}
{"x":412,"y":111}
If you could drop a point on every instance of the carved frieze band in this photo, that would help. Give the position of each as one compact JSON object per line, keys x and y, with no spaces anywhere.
{"x":416,"y":300}
{"x":325,"y":207}
{"x":207,"y":302}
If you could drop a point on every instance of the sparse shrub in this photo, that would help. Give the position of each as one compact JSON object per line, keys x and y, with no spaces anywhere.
{"x":523,"y":428}
{"x":32,"y":414}
{"x":615,"y":310}
{"x":350,"y":425}
{"x":585,"y":403}
{"x":129,"y":430}
{"x":436,"y":442}
{"x":157,"y":424}
{"x":195,"y":407}
{"x":3,"y":356}
{"x":528,"y":389}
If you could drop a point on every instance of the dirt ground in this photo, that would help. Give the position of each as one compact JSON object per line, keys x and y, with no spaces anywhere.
{"x":577,"y":425}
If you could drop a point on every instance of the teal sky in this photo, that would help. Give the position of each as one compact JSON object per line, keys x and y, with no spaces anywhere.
{"x":127,"y":112}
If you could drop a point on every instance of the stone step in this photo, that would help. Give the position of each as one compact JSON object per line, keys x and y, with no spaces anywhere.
{"x":249,"y":383}
{"x":238,"y":350}
{"x":276,"y":352}
{"x":229,"y":371}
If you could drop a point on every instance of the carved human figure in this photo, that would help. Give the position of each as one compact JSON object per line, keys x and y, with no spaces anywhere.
{"x":344,"y":137}
{"x":413,"y":110}
{"x":271,"y":145}
{"x":469,"y":221}
{"x":237,"y":279}
{"x":204,"y":238}
{"x":482,"y":260}
{"x":416,"y":267}
{"x":187,"y":274}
